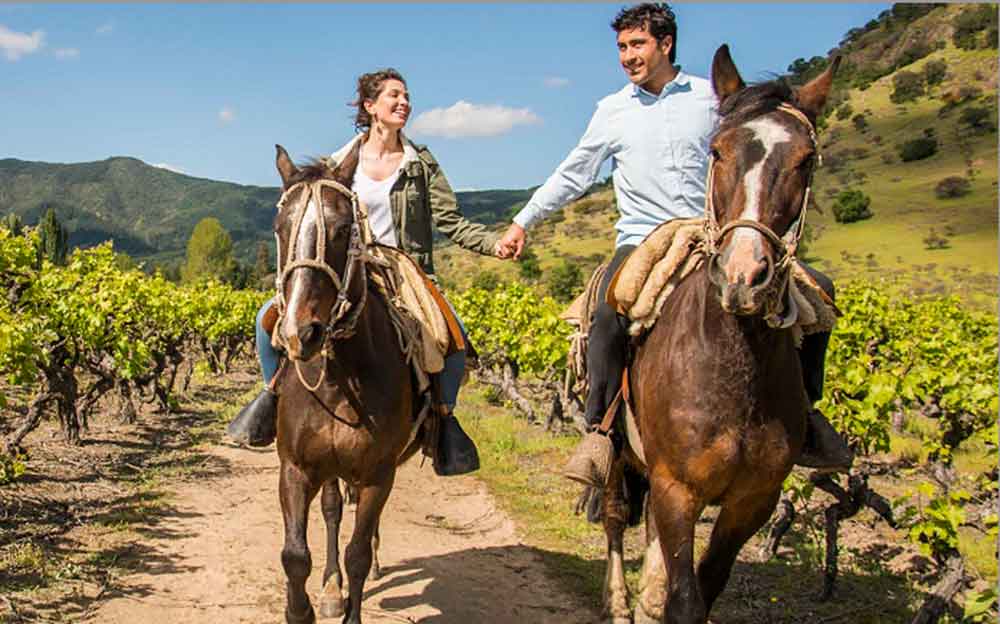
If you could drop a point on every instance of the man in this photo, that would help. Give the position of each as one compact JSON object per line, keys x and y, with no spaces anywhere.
{"x":656,"y":130}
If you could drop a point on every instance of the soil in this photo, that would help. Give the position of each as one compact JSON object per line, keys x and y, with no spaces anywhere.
{"x":200,"y":539}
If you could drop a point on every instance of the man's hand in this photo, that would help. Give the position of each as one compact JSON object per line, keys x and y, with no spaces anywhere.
{"x":512,"y":242}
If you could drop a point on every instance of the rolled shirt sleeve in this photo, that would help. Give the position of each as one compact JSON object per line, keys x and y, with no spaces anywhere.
{"x":574,"y":176}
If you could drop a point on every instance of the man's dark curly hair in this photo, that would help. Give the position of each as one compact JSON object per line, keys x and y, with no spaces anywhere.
{"x":655,"y":18}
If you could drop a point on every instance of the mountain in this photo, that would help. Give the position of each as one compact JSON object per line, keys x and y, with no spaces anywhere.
{"x":918,"y":72}
{"x":150,"y":212}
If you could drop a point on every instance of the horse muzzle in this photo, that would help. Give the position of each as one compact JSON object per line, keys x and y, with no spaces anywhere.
{"x":743,"y":283}
{"x":307,"y":341}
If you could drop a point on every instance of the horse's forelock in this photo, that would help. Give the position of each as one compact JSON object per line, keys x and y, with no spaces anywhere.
{"x":754,"y":101}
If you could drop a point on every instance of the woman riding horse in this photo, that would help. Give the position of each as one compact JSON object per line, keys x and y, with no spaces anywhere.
{"x":404,"y":190}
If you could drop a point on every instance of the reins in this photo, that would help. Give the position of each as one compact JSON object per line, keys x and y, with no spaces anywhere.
{"x":786,"y":246}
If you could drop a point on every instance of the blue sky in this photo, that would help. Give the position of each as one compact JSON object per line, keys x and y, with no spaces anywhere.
{"x":501,"y":92}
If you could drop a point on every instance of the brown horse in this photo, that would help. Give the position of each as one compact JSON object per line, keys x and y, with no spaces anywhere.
{"x":347,"y":398}
{"x":717,"y":390}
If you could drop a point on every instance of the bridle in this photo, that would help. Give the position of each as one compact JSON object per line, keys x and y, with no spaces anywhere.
{"x":344,"y":313}
{"x":786,"y":246}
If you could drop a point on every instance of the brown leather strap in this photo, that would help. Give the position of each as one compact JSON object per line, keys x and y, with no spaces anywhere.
{"x":270,"y":319}
{"x":449,"y":316}
{"x":609,"y":416}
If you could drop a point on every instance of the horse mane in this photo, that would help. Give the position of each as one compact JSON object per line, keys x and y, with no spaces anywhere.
{"x":755,"y":100}
{"x":321,"y":168}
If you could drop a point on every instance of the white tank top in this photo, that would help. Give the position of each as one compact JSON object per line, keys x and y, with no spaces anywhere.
{"x":375,"y":196}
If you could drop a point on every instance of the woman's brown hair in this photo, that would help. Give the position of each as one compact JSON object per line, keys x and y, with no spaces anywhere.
{"x":369,"y":87}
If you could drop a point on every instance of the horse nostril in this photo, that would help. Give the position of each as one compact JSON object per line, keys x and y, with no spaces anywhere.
{"x":310,"y":332}
{"x":761,"y":274}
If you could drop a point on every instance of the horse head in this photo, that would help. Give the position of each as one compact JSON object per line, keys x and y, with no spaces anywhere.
{"x":318,"y":253}
{"x":762,"y":160}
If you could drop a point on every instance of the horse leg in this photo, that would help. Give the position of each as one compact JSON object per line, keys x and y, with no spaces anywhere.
{"x":332,"y":599}
{"x":615,"y":517}
{"x":371,"y":500}
{"x":653,"y":578}
{"x":376,"y":571}
{"x":676,"y":509}
{"x":296,"y":492}
{"x":737,"y":522}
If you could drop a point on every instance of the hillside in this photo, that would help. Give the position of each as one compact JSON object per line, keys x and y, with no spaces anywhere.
{"x":150,"y":212}
{"x":863,"y":154}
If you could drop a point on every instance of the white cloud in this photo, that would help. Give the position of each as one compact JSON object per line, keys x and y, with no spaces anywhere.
{"x":170,"y":168}
{"x":464,"y":119}
{"x":16,"y":44}
{"x":105,"y":29}
{"x":66,"y":54}
{"x":556,"y":82}
{"x":227,"y":115}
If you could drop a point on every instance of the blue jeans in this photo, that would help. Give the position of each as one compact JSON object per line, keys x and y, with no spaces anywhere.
{"x":451,"y":376}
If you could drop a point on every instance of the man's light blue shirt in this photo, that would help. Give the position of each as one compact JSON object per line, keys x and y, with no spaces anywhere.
{"x":659,"y":146}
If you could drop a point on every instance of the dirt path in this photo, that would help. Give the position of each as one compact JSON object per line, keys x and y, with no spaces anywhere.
{"x":449,"y":555}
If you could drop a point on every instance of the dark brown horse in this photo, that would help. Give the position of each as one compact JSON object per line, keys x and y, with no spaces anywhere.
{"x":717,"y":390}
{"x":347,"y":399}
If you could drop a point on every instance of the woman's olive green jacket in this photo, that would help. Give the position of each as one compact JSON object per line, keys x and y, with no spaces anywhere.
{"x":422,"y":196}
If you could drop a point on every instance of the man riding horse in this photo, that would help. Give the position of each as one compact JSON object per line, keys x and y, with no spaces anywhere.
{"x":656,"y":130}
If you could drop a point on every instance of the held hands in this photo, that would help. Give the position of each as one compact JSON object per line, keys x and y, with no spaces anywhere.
{"x":511,"y":244}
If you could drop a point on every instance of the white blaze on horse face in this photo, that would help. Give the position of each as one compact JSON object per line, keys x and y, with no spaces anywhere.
{"x":770,"y":133}
{"x":747,"y":247}
{"x":305,"y":249}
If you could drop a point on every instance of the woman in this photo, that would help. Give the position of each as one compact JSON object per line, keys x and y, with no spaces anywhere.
{"x":404,"y":190}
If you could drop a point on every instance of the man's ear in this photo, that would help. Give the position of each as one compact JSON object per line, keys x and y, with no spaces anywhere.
{"x":667,"y":45}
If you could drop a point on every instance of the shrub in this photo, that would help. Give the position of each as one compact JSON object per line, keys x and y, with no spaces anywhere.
{"x":844,"y":111}
{"x":486,"y":280}
{"x":917,"y":149}
{"x":979,"y":119}
{"x":851,"y":205}
{"x":565,"y":281}
{"x":933,"y":240}
{"x":934,"y":72}
{"x":916,"y":51}
{"x":952,"y":186}
{"x":528,"y":266}
{"x":970,"y":22}
{"x":906,"y":86}
{"x":860,"y":123}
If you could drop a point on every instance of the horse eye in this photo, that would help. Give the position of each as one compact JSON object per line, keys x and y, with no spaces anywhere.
{"x":715,"y":154}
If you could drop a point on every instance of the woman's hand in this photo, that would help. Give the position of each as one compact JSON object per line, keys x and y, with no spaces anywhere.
{"x":511,"y":244}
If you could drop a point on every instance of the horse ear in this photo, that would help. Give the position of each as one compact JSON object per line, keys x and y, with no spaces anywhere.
{"x":286,"y":168}
{"x":812,"y":96}
{"x":726,"y":79}
{"x":344,"y":173}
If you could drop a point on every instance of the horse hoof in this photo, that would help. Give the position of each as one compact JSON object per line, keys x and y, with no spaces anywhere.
{"x":309,"y":617}
{"x":331,"y":608}
{"x":375,"y":574}
{"x":621,"y":620}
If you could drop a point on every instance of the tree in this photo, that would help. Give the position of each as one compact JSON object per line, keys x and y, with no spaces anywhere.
{"x":906,"y":86}
{"x":209,"y":253}
{"x":851,"y":205}
{"x":13,"y":224}
{"x":262,"y":265}
{"x":53,"y":243}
